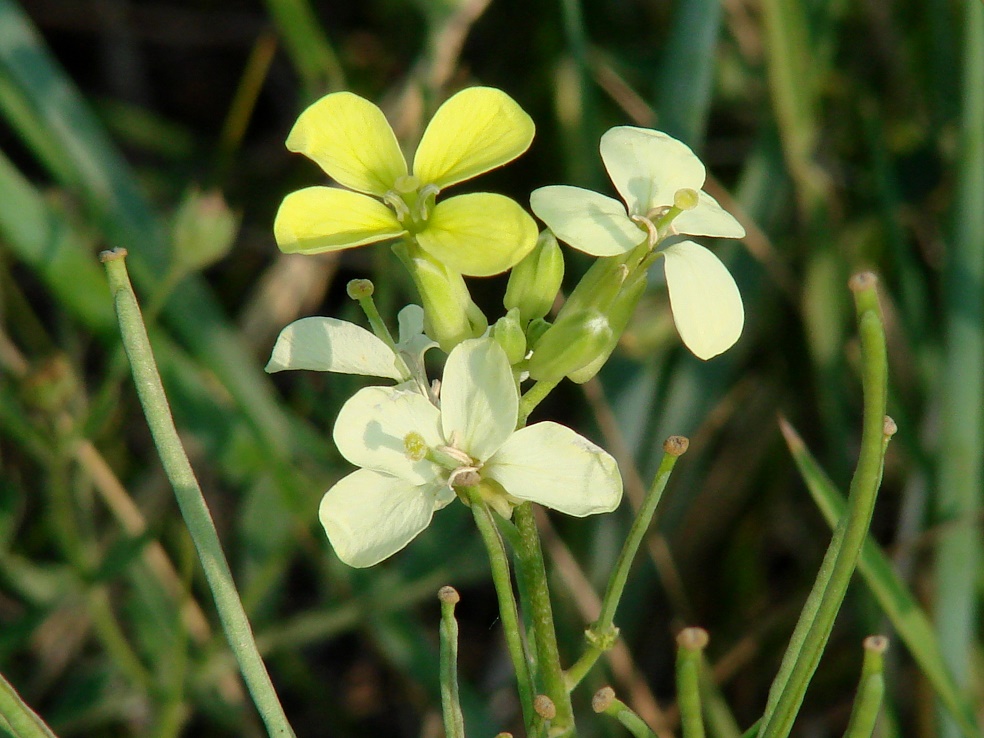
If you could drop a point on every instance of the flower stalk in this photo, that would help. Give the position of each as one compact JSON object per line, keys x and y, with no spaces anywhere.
{"x":454,"y":721}
{"x":499,"y":563}
{"x":691,"y":643}
{"x":194,"y":510}
{"x":871,"y":689}
{"x":816,"y":621}
{"x":549,"y":673}
{"x":602,"y":634}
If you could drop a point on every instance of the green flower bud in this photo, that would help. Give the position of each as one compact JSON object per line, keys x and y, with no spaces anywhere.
{"x":619,"y":314}
{"x":203,"y":230}
{"x":450,"y":316}
{"x":534,"y":282}
{"x":535,"y":330}
{"x":508,"y":333}
{"x":571,"y":344}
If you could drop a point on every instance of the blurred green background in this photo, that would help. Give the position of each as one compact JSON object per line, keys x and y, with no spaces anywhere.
{"x":845,"y":135}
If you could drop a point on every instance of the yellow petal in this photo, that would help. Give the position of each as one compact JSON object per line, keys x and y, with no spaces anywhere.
{"x":351,"y":140}
{"x":478,"y":129}
{"x":318,"y":219}
{"x":479,"y":234}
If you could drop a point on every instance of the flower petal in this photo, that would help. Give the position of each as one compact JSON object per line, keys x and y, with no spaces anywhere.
{"x":373,"y":423}
{"x":370,"y":516}
{"x":708,"y":219}
{"x":550,"y":464}
{"x":413,"y":341}
{"x":647,"y":167}
{"x":350,"y":139}
{"x":589,"y":222}
{"x":318,"y":219}
{"x":479,"y":234}
{"x":479,"y":399}
{"x":331,"y":345}
{"x":706,"y":304}
{"x":476,"y":130}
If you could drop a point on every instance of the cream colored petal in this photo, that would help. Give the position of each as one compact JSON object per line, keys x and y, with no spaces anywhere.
{"x":647,"y":167}
{"x":479,"y":399}
{"x":351,"y":140}
{"x":318,"y":219}
{"x":708,"y":219}
{"x":479,"y":234}
{"x":550,"y":464}
{"x":476,"y":130}
{"x":706,"y":304}
{"x":372,"y":427}
{"x":331,"y":345}
{"x":370,"y":516}
{"x":413,"y":341}
{"x":585,"y":220}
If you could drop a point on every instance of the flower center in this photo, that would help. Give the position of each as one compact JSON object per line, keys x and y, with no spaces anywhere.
{"x":658,"y":222}
{"x":464,"y":470}
{"x":412,"y":202}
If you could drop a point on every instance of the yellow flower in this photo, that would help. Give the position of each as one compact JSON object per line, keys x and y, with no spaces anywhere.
{"x":476,"y":130}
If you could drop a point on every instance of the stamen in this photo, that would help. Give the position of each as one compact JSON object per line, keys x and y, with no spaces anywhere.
{"x":650,"y":228}
{"x":425,"y":200}
{"x":466,"y":476}
{"x":458,"y":455}
{"x":395,"y":201}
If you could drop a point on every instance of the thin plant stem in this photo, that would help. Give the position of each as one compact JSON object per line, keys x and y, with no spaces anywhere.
{"x":499,"y":564}
{"x":189,"y":496}
{"x":602,"y":634}
{"x":817,"y":619}
{"x":871,"y":690}
{"x":606,"y":702}
{"x":550,"y":675}
{"x":690,"y":648}
{"x":454,"y":721}
{"x":533,"y":397}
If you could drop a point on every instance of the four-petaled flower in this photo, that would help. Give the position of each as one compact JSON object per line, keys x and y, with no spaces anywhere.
{"x":476,"y":130}
{"x":660,"y":181}
{"x":403,"y":442}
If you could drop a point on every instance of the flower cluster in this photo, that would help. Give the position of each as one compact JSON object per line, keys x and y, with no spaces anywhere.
{"x":419,"y":445}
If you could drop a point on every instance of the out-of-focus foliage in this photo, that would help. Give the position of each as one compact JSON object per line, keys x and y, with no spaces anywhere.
{"x":844,"y":135}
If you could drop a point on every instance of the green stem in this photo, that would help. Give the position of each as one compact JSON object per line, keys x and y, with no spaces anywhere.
{"x":817,"y":619}
{"x":871,"y":689}
{"x":190,"y":498}
{"x":690,"y":648}
{"x":606,"y":702}
{"x":499,"y":564}
{"x":549,"y":672}
{"x":454,"y":721}
{"x":602,"y":634}
{"x":22,"y":720}
{"x":533,"y":397}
